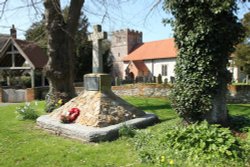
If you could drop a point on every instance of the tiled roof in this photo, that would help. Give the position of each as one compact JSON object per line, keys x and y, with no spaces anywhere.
{"x":3,"y":39}
{"x":154,"y":50}
{"x":35,"y":54}
{"x":32,"y":51}
{"x":140,"y":65}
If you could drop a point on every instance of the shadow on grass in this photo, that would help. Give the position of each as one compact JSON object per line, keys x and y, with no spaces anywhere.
{"x":240,"y":123}
{"x":155,"y":107}
{"x":163,"y":111}
{"x":167,"y":119}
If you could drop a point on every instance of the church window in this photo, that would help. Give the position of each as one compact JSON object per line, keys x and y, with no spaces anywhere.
{"x":118,"y":39}
{"x":164,"y":70}
{"x":139,"y":40}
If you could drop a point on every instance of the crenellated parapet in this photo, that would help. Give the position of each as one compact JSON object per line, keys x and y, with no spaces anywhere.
{"x":123,"y":42}
{"x":127,"y":31}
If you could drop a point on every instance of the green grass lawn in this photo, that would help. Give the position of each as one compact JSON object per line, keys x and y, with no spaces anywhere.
{"x":24,"y":144}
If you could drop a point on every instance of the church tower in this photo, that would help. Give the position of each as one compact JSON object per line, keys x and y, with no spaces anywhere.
{"x":123,"y":42}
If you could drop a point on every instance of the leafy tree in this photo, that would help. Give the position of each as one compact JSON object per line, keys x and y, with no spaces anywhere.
{"x":83,"y":53}
{"x":203,"y":34}
{"x":37,"y":34}
{"x":243,"y":57}
{"x":243,"y":49}
{"x":107,"y":56}
{"x":84,"y":58}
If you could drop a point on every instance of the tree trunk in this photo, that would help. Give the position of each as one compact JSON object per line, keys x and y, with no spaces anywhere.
{"x":61,"y":33}
{"x":219,"y":112}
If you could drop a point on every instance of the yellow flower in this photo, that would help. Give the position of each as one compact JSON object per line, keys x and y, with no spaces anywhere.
{"x":162,"y":158}
{"x":171,"y":162}
{"x":59,"y":101}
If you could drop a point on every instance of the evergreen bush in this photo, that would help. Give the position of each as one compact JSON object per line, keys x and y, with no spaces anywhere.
{"x":194,"y":145}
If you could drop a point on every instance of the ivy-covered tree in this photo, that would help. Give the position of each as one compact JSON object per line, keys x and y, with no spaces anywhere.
{"x":205,"y":34}
{"x":242,"y":52}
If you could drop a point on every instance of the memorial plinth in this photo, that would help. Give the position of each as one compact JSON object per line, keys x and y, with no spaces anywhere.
{"x":97,"y":82}
{"x":102,"y":112}
{"x":99,"y":106}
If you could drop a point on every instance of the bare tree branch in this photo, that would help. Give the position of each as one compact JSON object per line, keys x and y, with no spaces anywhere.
{"x":26,"y":5}
{"x":154,"y":6}
{"x":3,"y":8}
{"x":33,"y":4}
{"x":244,"y":4}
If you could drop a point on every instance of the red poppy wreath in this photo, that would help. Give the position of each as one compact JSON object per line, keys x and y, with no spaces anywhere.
{"x":70,"y":116}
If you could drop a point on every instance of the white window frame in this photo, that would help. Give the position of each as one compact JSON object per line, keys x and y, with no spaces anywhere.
{"x":164,"y":70}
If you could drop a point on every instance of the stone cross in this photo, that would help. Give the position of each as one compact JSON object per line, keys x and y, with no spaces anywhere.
{"x":96,"y":37}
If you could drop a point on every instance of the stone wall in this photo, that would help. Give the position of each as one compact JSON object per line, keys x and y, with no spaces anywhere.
{"x":13,"y":95}
{"x":30,"y":94}
{"x":41,"y":92}
{"x":79,"y":90}
{"x":8,"y":95}
{"x":238,"y":94}
{"x":149,"y":90}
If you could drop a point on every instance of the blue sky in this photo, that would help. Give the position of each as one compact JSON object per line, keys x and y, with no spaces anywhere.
{"x":132,"y":14}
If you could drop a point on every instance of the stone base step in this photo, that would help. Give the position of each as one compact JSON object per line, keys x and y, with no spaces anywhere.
{"x":92,"y":134}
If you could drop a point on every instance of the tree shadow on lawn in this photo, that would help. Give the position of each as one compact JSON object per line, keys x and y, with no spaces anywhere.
{"x":155,"y":107}
{"x":239,"y":117}
{"x":239,"y":123}
{"x":163,"y":111}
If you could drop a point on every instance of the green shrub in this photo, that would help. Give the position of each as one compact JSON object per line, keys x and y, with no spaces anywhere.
{"x":127,"y":131}
{"x":26,"y":112}
{"x":240,"y":123}
{"x":25,"y":81}
{"x":195,"y":145}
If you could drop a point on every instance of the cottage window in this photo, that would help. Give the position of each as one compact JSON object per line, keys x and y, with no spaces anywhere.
{"x":164,"y":70}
